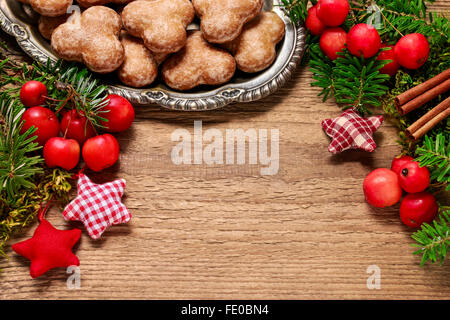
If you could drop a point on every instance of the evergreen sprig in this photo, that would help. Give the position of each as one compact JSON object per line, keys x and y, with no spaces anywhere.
{"x":86,"y":94}
{"x":354,"y":82}
{"x":433,"y":240}
{"x":434,"y":153}
{"x":297,"y":9}
{"x":18,"y":165}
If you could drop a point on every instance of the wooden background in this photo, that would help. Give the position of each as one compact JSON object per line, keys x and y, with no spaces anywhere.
{"x":226,"y":232}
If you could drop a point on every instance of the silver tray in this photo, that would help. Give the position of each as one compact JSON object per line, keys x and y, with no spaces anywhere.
{"x":19,"y":21}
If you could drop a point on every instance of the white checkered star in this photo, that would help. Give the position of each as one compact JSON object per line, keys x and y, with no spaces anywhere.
{"x":98,"y":206}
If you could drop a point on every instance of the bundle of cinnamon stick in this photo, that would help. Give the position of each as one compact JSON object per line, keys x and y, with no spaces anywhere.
{"x":421,"y":94}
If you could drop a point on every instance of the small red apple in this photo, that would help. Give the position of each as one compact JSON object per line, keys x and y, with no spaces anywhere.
{"x":100,"y":152}
{"x":333,"y":12}
{"x":61,"y":152}
{"x":119,"y":113}
{"x":33,"y":93}
{"x":417,"y":208}
{"x":412,"y":51}
{"x":398,"y":162}
{"x":363,"y":40}
{"x":414,"y":178}
{"x":313,"y":23}
{"x":76,"y":126}
{"x":381,"y":188}
{"x":392,"y":67}
{"x":44,"y":120}
{"x":332,"y":41}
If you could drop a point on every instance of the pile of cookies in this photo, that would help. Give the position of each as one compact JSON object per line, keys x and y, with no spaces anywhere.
{"x":141,"y":38}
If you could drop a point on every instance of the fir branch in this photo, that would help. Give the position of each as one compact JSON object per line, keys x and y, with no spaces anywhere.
{"x":354,"y":82}
{"x":358,"y":83}
{"x":433,"y":240}
{"x":296,"y":9}
{"x":434,"y":154}
{"x":322,"y":69}
{"x":17,"y":165}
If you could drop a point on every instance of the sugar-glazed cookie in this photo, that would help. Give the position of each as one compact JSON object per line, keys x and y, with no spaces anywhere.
{"x":140,"y":66}
{"x":255,"y":49}
{"x":222,"y":20}
{"x":198,"y":63}
{"x":91,"y":37}
{"x":49,"y":8}
{"x":160,"y":23}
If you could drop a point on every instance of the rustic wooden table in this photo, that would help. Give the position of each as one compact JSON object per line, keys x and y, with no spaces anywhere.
{"x":227,"y":232}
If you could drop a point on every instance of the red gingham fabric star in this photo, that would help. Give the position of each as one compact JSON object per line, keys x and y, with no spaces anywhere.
{"x":351,"y":131}
{"x":98,"y":206}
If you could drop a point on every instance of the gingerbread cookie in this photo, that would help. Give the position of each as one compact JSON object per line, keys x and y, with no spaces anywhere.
{"x":47,"y":25}
{"x":92,"y":38}
{"x":198,"y":63}
{"x":254,"y":50}
{"x":160,"y":23}
{"x":49,"y":8}
{"x":139,"y":67}
{"x":91,"y":3}
{"x":222,"y":20}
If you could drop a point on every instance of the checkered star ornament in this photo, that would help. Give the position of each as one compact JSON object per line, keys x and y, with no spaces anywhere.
{"x":351,"y":131}
{"x":98,"y":206}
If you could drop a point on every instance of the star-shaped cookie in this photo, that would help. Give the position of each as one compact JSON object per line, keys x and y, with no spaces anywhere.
{"x":351,"y":131}
{"x":49,"y":248}
{"x":98,"y":206}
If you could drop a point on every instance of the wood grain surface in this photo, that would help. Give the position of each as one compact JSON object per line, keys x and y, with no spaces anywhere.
{"x":227,"y":232}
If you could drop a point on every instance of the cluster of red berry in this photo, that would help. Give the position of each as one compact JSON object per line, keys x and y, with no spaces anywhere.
{"x":383,"y":188}
{"x":324,"y":19}
{"x":78,"y":133}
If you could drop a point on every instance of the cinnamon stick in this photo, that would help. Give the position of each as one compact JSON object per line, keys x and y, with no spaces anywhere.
{"x":421,"y":88}
{"x":424,"y":98}
{"x":419,"y":128}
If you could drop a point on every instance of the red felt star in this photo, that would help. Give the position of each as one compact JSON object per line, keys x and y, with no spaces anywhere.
{"x":351,"y":131}
{"x":49,"y":248}
{"x":98,"y":206}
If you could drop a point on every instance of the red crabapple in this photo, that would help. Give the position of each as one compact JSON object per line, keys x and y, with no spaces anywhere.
{"x":381,"y":188}
{"x":332,"y":41}
{"x":333,"y":12}
{"x":313,"y":23}
{"x":412,"y":51}
{"x":364,"y":40}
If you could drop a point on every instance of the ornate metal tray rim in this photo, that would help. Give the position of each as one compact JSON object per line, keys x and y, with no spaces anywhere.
{"x":254,"y":89}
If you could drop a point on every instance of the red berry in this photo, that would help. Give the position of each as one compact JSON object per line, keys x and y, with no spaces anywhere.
{"x":76,"y":126}
{"x":33,"y":93}
{"x":364,"y":40}
{"x":333,"y":12}
{"x":332,"y":41}
{"x":398,"y":162}
{"x":417,"y":208}
{"x":381,"y":188}
{"x":61,"y":152}
{"x":313,"y":23}
{"x":120,"y":116}
{"x":392,"y":67}
{"x":413,"y":178}
{"x":100,"y":152}
{"x":412,"y":51}
{"x":44,"y":120}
